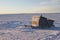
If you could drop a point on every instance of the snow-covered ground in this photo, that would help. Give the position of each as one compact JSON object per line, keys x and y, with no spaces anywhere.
{"x":12,"y":28}
{"x":22,"y":33}
{"x":29,"y":34}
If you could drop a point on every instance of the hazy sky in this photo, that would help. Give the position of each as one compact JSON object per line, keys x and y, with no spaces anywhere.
{"x":29,"y":6}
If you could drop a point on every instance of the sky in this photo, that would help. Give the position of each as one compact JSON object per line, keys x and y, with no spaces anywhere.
{"x":29,"y":6}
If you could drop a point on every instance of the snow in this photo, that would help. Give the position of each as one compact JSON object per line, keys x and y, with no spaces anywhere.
{"x":15,"y":30}
{"x":15,"y":34}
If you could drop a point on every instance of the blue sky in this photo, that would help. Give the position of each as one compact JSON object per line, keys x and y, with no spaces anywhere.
{"x":29,"y":6}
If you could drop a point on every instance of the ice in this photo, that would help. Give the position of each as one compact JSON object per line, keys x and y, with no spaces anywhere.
{"x":12,"y":27}
{"x":16,"y":34}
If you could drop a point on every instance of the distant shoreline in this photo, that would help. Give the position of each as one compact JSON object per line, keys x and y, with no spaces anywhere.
{"x":27,"y":13}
